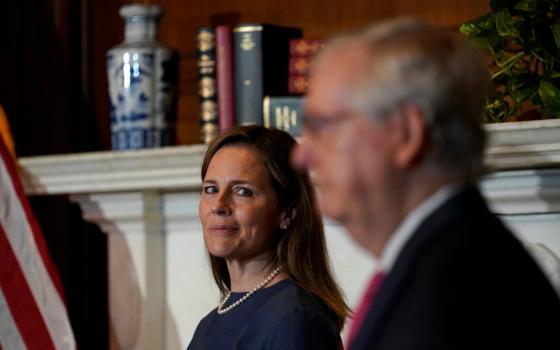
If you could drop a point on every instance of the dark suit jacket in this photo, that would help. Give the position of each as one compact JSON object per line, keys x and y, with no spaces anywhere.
{"x":463,"y":282}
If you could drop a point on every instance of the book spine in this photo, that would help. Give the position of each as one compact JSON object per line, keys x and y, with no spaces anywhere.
{"x":302,"y":51}
{"x":224,"y":77}
{"x":299,"y":64}
{"x":283,"y":112}
{"x":248,"y":66}
{"x":305,"y":46}
{"x":261,"y":54}
{"x":298,"y":84}
{"x":206,"y":74}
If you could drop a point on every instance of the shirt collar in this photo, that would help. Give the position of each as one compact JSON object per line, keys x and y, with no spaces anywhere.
{"x":407,"y":228}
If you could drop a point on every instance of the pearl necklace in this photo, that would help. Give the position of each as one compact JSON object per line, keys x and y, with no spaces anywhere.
{"x":263,"y":284}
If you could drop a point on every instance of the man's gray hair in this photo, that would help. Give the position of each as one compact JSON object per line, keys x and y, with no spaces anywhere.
{"x":412,"y":62}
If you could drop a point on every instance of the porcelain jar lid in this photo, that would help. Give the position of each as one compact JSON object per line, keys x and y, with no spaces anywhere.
{"x":139,"y":10}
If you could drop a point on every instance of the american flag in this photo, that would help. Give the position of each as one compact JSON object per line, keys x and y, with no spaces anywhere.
{"x":32,"y":310}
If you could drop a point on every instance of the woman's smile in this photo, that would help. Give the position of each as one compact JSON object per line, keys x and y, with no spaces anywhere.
{"x":223,"y":229}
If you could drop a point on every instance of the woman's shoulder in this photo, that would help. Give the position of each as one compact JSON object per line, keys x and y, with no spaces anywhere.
{"x":300,"y":320}
{"x":295,"y":298}
{"x":207,"y":322}
{"x":293,"y":305}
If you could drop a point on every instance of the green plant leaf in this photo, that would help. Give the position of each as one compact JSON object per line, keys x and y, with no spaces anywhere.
{"x":521,"y":95}
{"x":536,"y":100}
{"x":470,"y":29}
{"x":478,"y":25}
{"x":521,"y":87}
{"x":538,"y":55}
{"x":504,"y":23}
{"x":555,"y":29}
{"x":506,"y":65}
{"x":550,"y":96}
{"x":511,"y":61}
{"x":527,"y":6}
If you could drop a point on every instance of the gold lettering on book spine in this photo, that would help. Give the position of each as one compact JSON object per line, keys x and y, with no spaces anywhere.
{"x":285,"y":117}
{"x":247,"y":42}
{"x":205,"y":40}
{"x":208,"y":111}
{"x":207,"y":87}
{"x":208,"y":132}
{"x":206,"y":64}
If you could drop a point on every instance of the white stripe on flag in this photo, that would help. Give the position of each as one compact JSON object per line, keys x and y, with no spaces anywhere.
{"x":20,"y":237}
{"x":10,"y":338}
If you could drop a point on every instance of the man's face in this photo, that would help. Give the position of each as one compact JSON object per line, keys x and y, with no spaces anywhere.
{"x":347,"y":154}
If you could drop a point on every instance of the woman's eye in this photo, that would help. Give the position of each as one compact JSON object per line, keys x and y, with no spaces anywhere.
{"x":209,"y":189}
{"x":244,"y":192}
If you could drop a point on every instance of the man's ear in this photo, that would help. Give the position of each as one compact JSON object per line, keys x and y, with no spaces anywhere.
{"x":286,"y":218}
{"x":414,"y":136}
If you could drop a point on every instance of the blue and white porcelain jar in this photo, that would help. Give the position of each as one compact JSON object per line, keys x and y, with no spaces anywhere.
{"x":142,"y":77}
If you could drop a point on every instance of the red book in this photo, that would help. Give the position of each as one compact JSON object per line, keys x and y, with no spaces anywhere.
{"x":224,"y":77}
{"x":305,"y":46}
{"x":298,"y":83}
{"x":299,"y":64}
{"x":302,"y":51}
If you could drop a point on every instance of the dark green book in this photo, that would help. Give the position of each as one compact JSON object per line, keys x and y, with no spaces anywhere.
{"x":261,"y":56}
{"x":283,"y":112}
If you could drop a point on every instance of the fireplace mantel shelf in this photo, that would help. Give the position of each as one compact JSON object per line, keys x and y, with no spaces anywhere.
{"x":519,"y":146}
{"x":96,"y":172}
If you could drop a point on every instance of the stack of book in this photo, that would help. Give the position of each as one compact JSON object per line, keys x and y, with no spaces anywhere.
{"x":261,"y":55}
{"x":286,"y":112}
{"x":301,"y":54}
{"x":251,"y":66}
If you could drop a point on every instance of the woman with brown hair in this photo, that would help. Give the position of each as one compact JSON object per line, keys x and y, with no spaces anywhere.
{"x":267,"y":249}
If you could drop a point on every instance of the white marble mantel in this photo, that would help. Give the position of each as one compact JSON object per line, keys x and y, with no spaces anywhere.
{"x":147,"y":202}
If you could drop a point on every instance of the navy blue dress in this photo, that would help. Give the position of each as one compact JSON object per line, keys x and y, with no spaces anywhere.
{"x":282,"y":316}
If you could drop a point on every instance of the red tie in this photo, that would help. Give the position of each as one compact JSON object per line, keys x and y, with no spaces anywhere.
{"x":364,"y":307}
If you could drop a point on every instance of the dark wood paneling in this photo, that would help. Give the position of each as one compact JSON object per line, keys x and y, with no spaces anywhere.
{"x":105,"y":29}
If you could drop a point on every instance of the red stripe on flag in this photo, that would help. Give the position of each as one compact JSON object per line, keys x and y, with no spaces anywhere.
{"x":35,"y":228}
{"x":18,"y":296}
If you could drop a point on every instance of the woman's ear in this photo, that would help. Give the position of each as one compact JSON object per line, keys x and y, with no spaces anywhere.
{"x":286,"y":218}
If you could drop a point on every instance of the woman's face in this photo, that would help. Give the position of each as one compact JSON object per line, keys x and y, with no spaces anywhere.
{"x":238,"y":208}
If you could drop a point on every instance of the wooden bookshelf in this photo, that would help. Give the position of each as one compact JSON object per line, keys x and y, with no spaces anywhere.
{"x":317,"y":18}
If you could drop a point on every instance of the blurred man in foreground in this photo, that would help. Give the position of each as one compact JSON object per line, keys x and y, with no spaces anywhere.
{"x":393,"y":135}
